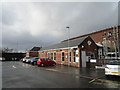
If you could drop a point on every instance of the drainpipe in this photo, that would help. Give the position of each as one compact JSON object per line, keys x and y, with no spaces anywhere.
{"x":115,"y":33}
{"x":118,"y":40}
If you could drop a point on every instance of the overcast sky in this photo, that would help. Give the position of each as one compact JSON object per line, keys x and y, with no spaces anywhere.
{"x":28,"y":24}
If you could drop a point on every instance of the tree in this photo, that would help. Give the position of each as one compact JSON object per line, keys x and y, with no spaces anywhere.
{"x":7,"y":50}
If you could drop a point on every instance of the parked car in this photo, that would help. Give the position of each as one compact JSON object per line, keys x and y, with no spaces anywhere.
{"x":34,"y":60}
{"x":26,"y":59}
{"x":44,"y":62}
{"x":112,"y":68}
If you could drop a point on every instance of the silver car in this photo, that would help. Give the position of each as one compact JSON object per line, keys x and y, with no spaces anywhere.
{"x":112,"y":68}
{"x":26,"y":59}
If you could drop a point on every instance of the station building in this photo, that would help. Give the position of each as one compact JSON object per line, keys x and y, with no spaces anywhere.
{"x":78,"y":53}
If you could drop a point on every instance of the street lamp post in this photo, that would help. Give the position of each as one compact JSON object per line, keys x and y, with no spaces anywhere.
{"x":68,"y":42}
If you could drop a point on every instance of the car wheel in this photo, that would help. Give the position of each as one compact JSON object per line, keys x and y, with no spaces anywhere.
{"x":54,"y":64}
{"x":32,"y":63}
{"x":107,"y":76}
{"x":35,"y":63}
{"x":42,"y":65}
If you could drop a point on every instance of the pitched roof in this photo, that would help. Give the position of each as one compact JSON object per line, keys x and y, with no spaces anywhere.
{"x":35,"y":49}
{"x":72,"y":43}
{"x":99,"y":45}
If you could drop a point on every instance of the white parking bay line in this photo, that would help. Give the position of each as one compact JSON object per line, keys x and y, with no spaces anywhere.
{"x":13,"y":66}
{"x":96,"y":79}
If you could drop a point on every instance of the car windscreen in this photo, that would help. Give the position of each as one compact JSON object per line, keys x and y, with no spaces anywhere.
{"x":28,"y":57}
{"x":46,"y":59}
{"x":36,"y":58}
{"x":114,"y":63}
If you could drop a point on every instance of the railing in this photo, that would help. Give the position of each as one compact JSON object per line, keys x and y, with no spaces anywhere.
{"x":105,"y":61}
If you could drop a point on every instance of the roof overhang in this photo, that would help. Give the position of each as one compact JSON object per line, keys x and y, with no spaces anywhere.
{"x":60,"y":48}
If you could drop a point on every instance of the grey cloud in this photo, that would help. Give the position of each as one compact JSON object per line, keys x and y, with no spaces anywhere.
{"x":8,"y":14}
{"x":43,"y":24}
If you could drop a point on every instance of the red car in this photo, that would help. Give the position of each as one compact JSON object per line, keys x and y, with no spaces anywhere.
{"x":44,"y":62}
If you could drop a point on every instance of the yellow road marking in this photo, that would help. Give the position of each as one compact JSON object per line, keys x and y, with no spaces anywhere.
{"x":103,"y":80}
{"x":109,"y":83}
{"x":51,"y":69}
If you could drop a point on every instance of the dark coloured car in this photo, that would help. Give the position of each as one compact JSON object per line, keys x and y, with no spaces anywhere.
{"x":45,"y":62}
{"x":34,"y":60}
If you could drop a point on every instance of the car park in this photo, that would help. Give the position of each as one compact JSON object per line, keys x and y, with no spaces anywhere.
{"x":44,"y":62}
{"x":112,"y":68}
{"x":34,"y":60}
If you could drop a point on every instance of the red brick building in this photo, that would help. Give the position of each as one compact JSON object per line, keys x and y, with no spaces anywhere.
{"x":82,"y":49}
{"x":33,"y":52}
{"x":78,"y":53}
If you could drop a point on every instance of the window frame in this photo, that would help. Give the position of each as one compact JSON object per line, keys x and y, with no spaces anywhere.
{"x":54,"y":55}
{"x":62,"y":57}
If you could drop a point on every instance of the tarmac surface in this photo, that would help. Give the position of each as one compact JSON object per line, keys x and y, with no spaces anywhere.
{"x":16,"y":74}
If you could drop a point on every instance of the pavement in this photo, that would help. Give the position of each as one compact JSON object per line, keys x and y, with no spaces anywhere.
{"x":16,"y":74}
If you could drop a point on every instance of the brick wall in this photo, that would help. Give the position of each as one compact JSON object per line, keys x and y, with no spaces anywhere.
{"x":89,"y":48}
{"x":98,"y":37}
{"x":44,"y":54}
{"x":32,"y":54}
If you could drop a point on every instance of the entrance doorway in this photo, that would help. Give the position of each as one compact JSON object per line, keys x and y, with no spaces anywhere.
{"x":84,"y":58}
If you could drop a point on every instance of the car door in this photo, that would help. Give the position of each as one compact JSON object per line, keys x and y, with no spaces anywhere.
{"x":50,"y":62}
{"x":47,"y":62}
{"x":44,"y":61}
{"x":36,"y":59}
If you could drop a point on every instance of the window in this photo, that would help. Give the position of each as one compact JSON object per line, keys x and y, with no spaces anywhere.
{"x":54,"y":56}
{"x":74,"y":56}
{"x":92,"y":55}
{"x":110,"y":34}
{"x":63,"y":56}
{"x":49,"y":56}
{"x":70,"y":56}
{"x":114,"y":63}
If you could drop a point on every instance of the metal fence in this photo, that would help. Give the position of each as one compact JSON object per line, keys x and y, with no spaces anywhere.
{"x":105,"y":61}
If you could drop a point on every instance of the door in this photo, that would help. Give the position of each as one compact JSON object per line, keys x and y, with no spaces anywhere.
{"x":84,"y":58}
